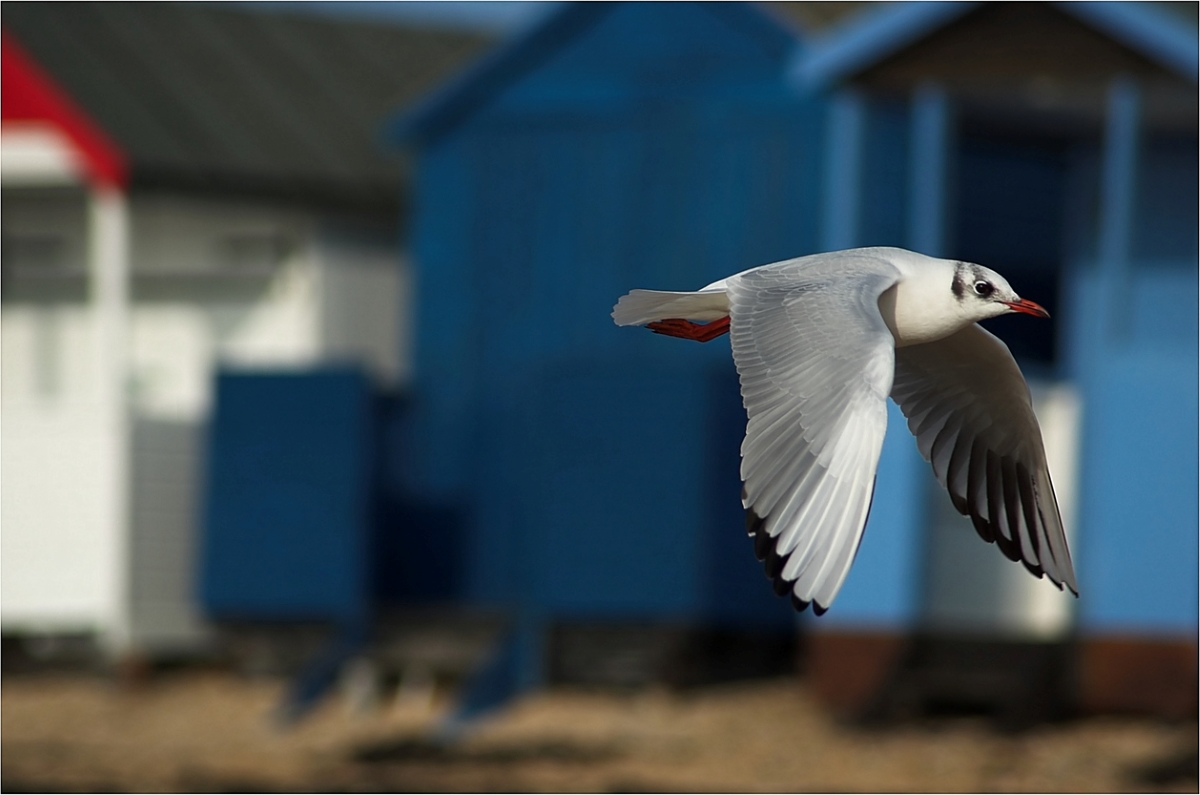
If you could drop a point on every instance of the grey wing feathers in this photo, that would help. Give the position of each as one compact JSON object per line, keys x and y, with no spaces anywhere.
{"x":968,"y":406}
{"x":815,"y":361}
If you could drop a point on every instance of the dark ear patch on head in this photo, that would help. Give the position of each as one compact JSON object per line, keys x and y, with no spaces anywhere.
{"x":959,"y":284}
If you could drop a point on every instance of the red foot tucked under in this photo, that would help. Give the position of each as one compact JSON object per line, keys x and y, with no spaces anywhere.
{"x":686,"y":329}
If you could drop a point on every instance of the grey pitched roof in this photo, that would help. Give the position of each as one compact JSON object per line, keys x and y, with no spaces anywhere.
{"x":1048,"y":65}
{"x":1157,"y":31}
{"x":218,"y":99}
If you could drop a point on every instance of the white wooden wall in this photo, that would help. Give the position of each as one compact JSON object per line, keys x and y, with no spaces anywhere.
{"x":214,"y":284}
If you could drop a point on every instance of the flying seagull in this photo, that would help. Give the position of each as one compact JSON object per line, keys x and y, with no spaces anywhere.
{"x":820,"y":342}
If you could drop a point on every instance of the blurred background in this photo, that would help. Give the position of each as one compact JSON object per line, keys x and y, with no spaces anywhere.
{"x":310,"y":387}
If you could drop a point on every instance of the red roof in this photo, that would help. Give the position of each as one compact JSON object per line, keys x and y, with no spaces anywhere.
{"x":27,"y":93}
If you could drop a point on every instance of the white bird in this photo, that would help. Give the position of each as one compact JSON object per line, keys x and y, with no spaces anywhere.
{"x":820,"y":342}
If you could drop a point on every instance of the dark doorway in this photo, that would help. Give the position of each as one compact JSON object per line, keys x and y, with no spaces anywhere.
{"x":1008,"y":215}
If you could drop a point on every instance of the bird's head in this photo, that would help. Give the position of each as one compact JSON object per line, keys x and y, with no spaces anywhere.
{"x":983,"y":293}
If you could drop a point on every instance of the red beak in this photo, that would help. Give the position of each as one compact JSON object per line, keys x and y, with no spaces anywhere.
{"x":1027,"y":307}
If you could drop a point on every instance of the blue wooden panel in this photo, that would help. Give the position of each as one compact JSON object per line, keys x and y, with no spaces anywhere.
{"x":1133,"y":337}
{"x":1138,"y":512}
{"x":930,"y":132}
{"x":594,"y":57}
{"x":625,"y":501}
{"x":642,"y":145}
{"x":287,"y":516}
{"x":883,"y":208}
{"x":1167,"y":207}
{"x":565,"y":220}
{"x":1160,"y":307}
{"x":657,"y":50}
{"x":438,"y":436}
{"x":617,"y":515}
{"x":843,"y":174}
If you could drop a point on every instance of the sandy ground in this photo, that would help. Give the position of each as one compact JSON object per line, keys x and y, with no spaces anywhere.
{"x":209,"y":731}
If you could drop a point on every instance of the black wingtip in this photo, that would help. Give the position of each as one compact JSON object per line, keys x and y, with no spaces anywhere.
{"x":1011,"y":550}
{"x":754,"y":522}
{"x":1064,"y":586}
{"x":773,"y":568}
{"x":764,"y":549}
{"x":764,"y":545}
{"x":773,"y":563}
{"x":983,"y":528}
{"x":991,"y":534}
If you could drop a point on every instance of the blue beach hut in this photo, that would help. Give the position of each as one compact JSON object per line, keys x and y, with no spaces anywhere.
{"x":591,"y":471}
{"x":1057,"y":143}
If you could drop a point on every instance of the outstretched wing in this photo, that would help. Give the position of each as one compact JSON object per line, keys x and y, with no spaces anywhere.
{"x":969,"y":408}
{"x":815,"y":360}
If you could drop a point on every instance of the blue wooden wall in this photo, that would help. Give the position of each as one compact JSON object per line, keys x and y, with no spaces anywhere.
{"x":1133,"y":340}
{"x":595,"y":467}
{"x":288,"y":515}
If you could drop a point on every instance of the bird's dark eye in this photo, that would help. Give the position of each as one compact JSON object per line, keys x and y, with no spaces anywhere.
{"x":984,"y":289}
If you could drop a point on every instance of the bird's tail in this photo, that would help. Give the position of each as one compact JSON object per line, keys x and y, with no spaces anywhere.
{"x":638,"y":307}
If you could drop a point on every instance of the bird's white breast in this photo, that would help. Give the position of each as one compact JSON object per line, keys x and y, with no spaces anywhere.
{"x":921,"y":307}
